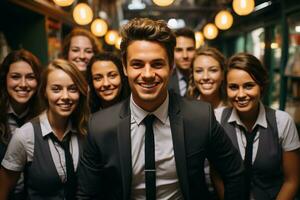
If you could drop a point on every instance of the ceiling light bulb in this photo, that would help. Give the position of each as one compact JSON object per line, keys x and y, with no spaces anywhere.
{"x":111,"y":37}
{"x":210,"y":31}
{"x":63,"y":3}
{"x":199,"y":39}
{"x":82,"y":14}
{"x":163,"y":2}
{"x":99,"y":27}
{"x":118,"y":42}
{"x":243,"y":7}
{"x":224,"y":20}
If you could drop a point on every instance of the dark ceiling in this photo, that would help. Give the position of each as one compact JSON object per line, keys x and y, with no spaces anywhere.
{"x":196,"y":13}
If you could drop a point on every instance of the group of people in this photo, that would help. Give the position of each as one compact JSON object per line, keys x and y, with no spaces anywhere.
{"x":163,"y":121}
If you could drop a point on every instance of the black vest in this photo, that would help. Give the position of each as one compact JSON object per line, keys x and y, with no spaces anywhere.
{"x":267,"y":172}
{"x":41,"y":178}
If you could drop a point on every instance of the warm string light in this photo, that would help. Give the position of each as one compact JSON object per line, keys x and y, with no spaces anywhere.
{"x":163,"y":2}
{"x":111,"y":37}
{"x":82,"y":14}
{"x":210,"y":31}
{"x":199,"y":39}
{"x":118,"y":42}
{"x":63,"y":3}
{"x":224,"y":20}
{"x":243,"y":7}
{"x":99,"y":27}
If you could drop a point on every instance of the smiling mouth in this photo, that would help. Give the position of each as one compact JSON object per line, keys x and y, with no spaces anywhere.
{"x":243,"y":103}
{"x":22,"y":92}
{"x":148,"y":85}
{"x":81,"y":63}
{"x":65,"y":106}
{"x":207,"y":85}
{"x":107,"y":92}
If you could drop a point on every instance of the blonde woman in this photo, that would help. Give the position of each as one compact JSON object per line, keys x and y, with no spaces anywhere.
{"x":47,"y":148}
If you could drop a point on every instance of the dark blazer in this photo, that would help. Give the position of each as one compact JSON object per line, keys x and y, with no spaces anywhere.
{"x":174,"y":82}
{"x":105,"y":168}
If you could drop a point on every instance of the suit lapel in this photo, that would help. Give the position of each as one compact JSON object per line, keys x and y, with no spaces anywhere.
{"x":124,"y":142}
{"x":176,"y":122}
{"x":174,"y":83}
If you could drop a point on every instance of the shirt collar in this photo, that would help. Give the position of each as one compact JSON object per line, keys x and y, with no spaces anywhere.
{"x":47,"y":129}
{"x":261,"y":119}
{"x":179,"y":74}
{"x":11,"y":110}
{"x":139,"y":114}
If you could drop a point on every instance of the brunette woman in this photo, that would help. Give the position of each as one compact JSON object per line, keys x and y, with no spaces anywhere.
{"x":107,"y":81}
{"x":48,"y":147}
{"x":79,"y":46}
{"x":19,"y":80}
{"x":267,"y":139}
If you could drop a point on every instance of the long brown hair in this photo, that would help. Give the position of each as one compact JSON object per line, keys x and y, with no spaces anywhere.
{"x":95,"y":102}
{"x":80,"y":115}
{"x":33,"y":103}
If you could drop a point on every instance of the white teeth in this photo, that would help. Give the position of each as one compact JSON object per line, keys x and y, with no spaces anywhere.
{"x":207,"y":85}
{"x":148,"y":85}
{"x":107,"y":92}
{"x":22,"y":92}
{"x":65,"y":105}
{"x":242,"y":103}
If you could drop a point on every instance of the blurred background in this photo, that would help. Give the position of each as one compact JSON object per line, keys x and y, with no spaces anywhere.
{"x":269,"y":29}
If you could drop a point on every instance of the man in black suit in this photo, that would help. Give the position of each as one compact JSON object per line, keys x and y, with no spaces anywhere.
{"x":184,"y":54}
{"x":121,"y":144}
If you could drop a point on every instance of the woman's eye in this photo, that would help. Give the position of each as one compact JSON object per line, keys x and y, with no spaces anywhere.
{"x":233,"y":87}
{"x":73,"y":88}
{"x":199,"y":70}
{"x":214,"y":70}
{"x":97,"y":78}
{"x":113,"y":75}
{"x":15,"y":77}
{"x":55,"y":89}
{"x":248,"y":86}
{"x":89,"y":51}
{"x":74,"y":50}
{"x":31,"y":77}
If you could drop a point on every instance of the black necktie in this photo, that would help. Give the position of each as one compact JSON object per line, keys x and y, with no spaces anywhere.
{"x":248,"y":160}
{"x":19,"y":121}
{"x":70,"y":184}
{"x":150,"y":173}
{"x":186,"y":80}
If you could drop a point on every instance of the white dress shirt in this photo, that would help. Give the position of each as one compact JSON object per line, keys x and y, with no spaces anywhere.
{"x":181,"y":83}
{"x":167,"y":184}
{"x":21,"y":148}
{"x":287,"y":132}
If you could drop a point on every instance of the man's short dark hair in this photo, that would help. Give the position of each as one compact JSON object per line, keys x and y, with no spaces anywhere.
{"x":185,"y":32}
{"x":148,"y":30}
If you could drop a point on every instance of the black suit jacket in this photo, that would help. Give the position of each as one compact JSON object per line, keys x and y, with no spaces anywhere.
{"x":105,"y":168}
{"x":174,"y":82}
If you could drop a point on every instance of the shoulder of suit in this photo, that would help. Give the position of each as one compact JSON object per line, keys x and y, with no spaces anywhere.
{"x":111,"y":111}
{"x":189,"y":102}
{"x":107,"y":116}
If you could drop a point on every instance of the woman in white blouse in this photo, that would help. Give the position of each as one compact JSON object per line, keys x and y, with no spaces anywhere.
{"x":47,"y":149}
{"x":267,"y":139}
